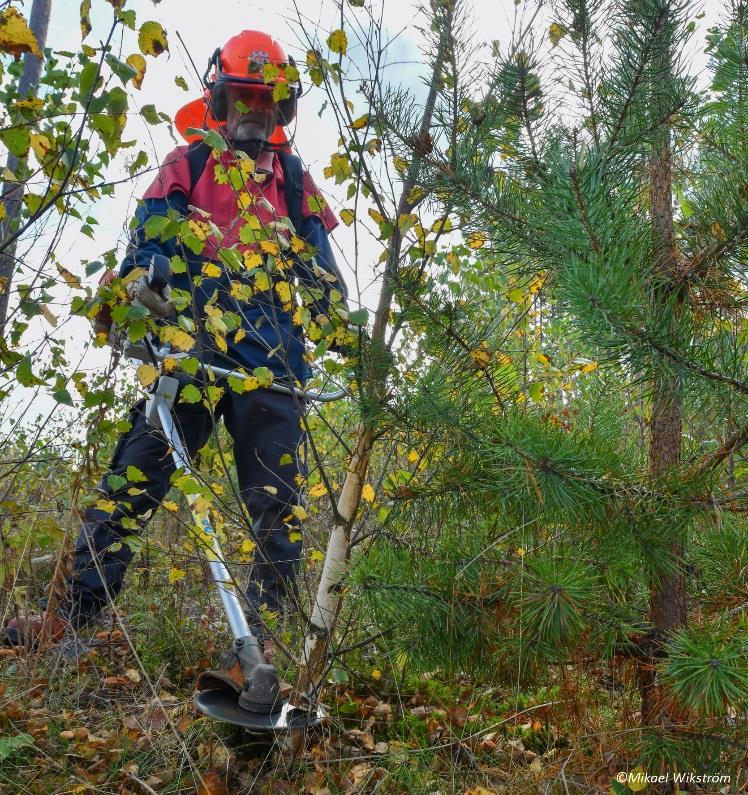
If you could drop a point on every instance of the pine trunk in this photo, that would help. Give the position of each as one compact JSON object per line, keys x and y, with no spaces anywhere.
{"x":667,"y":604}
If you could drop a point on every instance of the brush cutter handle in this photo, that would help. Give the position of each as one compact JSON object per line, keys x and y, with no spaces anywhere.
{"x":159,"y":273}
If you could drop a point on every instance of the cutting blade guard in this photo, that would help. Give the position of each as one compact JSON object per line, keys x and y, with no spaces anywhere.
{"x":223,"y":704}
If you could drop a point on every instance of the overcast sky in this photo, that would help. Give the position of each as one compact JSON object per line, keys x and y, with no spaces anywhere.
{"x":205,"y":25}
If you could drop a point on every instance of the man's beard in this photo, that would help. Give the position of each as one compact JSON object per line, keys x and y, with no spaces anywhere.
{"x":250,"y":138}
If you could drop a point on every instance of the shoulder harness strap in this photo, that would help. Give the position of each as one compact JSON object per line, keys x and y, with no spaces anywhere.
{"x":197,"y":157}
{"x":293,"y":173}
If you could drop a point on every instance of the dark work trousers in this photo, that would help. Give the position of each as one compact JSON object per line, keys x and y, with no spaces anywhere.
{"x":265,"y":426}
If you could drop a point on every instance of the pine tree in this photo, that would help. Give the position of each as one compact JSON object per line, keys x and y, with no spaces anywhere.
{"x":604,"y":227}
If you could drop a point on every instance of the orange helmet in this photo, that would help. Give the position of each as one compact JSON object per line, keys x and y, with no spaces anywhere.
{"x":254,"y":58}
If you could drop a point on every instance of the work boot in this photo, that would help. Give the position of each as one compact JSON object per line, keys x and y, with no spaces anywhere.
{"x":26,"y":630}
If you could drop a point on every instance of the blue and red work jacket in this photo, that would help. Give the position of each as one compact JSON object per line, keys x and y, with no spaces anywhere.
{"x":268,"y":337}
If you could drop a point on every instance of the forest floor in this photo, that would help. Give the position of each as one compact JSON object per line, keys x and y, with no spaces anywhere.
{"x":121,"y":720}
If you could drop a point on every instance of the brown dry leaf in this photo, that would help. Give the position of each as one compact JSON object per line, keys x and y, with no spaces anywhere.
{"x":212,"y":784}
{"x":479,"y":791}
{"x":383,"y":710}
{"x":359,"y":773}
{"x":117,"y":681}
{"x":458,"y":715}
{"x":133,"y":675}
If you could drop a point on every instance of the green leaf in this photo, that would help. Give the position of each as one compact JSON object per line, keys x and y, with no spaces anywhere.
{"x":140,"y":162}
{"x":150,"y":114}
{"x":359,"y":317}
{"x":263,"y":375}
{"x":63,"y":396}
{"x":316,"y":204}
{"x":9,"y":745}
{"x":124,"y":71}
{"x":17,"y":140}
{"x":154,"y":226}
{"x":116,"y":482}
{"x":88,"y":79}
{"x":215,"y":141}
{"x":181,"y":82}
{"x":190,"y":394}
{"x":25,"y":375}
{"x":134,"y":475}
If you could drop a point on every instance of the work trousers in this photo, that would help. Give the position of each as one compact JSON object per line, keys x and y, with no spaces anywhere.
{"x":267,"y":442}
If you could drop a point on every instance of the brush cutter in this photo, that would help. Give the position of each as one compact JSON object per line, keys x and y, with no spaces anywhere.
{"x":248,"y":692}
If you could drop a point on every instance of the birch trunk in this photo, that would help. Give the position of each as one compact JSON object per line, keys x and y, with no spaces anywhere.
{"x":327,"y":601}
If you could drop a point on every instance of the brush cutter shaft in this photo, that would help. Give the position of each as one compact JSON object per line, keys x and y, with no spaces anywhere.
{"x":318,"y":397}
{"x":218,"y":571}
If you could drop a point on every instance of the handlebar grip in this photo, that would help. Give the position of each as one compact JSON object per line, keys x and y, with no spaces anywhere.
{"x":159,"y":273}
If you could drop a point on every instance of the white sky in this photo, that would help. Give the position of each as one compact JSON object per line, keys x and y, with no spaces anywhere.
{"x":207,"y":24}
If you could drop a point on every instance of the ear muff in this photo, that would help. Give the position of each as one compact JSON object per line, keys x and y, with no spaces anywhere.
{"x":218,"y":102}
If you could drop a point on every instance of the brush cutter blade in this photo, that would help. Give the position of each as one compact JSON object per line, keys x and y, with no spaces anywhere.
{"x":223,"y":704}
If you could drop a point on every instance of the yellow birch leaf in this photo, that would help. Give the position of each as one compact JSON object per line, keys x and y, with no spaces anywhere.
{"x":170,"y":506}
{"x":367,"y":493}
{"x":476,"y":240}
{"x":138,"y":63}
{"x":70,"y":278}
{"x":252,"y":259}
{"x":360,"y":122}
{"x":284,"y":291}
{"x":556,"y":32}
{"x":211,"y":270}
{"x":318,"y":491}
{"x":146,"y":374}
{"x":175,"y":575}
{"x":347,"y":217}
{"x":337,"y":41}
{"x":315,"y":554}
{"x":442,"y":225}
{"x":179,"y":339}
{"x":299,"y":512}
{"x":2,"y":211}
{"x":85,"y":18}
{"x":270,"y":247}
{"x":481,"y":357}
{"x":376,"y":674}
{"x":152,"y":39}
{"x":589,"y":367}
{"x":16,"y":36}
{"x":41,"y":146}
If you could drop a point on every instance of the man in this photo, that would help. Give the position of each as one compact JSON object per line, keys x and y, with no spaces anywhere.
{"x":221,"y":217}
